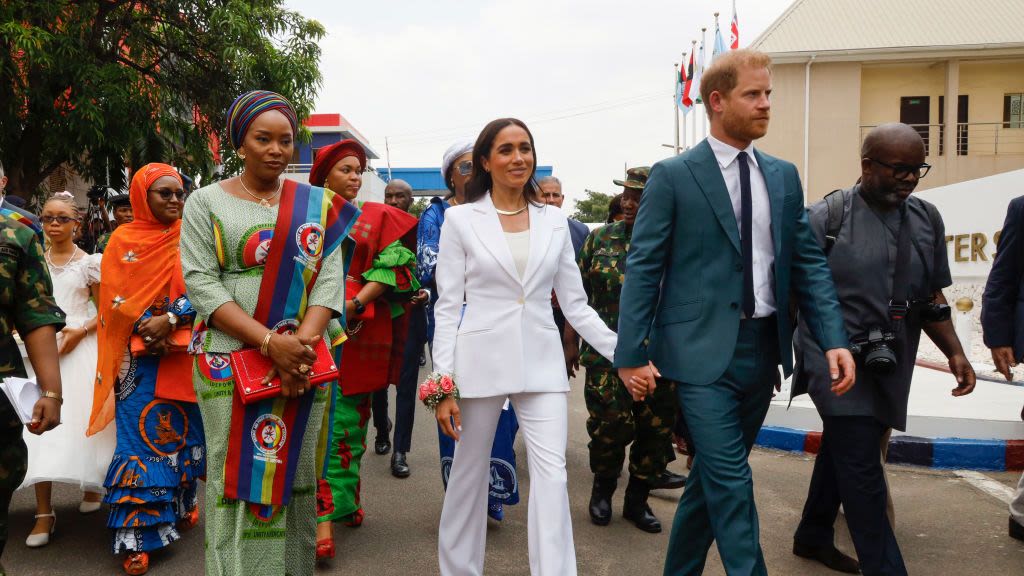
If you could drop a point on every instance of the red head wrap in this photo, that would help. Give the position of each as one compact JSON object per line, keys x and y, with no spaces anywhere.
{"x":328,"y":156}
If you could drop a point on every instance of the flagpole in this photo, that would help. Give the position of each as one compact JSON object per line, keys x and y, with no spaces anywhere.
{"x":684,"y":146}
{"x":703,"y":104}
{"x":675,"y":103}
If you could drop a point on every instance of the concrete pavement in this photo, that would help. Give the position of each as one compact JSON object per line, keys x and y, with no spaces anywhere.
{"x":944,"y":525}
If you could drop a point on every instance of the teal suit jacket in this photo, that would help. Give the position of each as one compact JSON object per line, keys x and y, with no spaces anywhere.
{"x":680,"y":303}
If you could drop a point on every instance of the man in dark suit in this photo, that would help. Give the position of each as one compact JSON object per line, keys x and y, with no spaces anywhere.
{"x":1002,"y":320}
{"x":720,"y":240}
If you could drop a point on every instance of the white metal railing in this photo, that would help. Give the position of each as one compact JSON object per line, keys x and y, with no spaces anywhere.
{"x":972,"y":138}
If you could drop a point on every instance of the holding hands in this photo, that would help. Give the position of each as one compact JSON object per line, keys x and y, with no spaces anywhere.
{"x":640,"y":381}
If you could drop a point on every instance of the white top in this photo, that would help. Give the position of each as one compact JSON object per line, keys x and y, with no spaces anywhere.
{"x":519,"y":245}
{"x":761,"y":221}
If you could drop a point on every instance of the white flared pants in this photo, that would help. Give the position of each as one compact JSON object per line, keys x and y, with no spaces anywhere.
{"x":462,"y":538}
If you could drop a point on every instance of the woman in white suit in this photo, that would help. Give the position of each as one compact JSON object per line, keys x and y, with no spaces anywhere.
{"x":502,"y":253}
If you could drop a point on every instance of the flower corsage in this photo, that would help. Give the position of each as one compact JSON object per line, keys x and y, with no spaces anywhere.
{"x":436,"y":388}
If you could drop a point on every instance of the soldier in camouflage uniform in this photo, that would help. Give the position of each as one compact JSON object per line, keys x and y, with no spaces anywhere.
{"x":26,"y":304}
{"x":615,"y":419}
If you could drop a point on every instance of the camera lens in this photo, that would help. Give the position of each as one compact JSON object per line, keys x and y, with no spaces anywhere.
{"x":880,"y":359}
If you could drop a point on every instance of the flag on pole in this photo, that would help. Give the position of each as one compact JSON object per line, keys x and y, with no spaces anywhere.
{"x":688,"y":87}
{"x":734,"y":41}
{"x":680,"y":80}
{"x":698,"y":72}
{"x":719,"y":48}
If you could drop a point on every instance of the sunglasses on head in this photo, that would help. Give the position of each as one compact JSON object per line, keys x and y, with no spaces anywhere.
{"x":465,"y":167}
{"x":166,"y":193}
{"x":61,"y":219}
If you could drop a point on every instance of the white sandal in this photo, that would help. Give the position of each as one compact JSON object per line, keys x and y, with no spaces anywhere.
{"x":40,"y":540}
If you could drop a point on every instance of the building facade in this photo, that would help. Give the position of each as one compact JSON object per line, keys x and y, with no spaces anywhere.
{"x":842,"y":67}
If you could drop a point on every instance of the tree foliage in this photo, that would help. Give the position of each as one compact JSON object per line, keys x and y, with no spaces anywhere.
{"x":100,"y":84}
{"x":594,"y":208}
{"x":417,"y":207}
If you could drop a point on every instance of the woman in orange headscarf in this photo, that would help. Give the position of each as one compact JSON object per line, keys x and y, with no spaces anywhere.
{"x":144,"y":378}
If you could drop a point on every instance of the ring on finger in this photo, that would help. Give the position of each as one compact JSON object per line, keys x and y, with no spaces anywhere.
{"x":303,"y":369}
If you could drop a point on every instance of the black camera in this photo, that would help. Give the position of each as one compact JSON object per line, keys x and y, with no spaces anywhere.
{"x":875,"y":351}
{"x":928,"y":312}
{"x":97,"y":193}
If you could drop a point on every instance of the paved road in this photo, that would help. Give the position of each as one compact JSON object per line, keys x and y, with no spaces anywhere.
{"x":944,"y":525}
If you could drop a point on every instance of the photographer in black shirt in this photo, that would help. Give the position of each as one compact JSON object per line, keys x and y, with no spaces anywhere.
{"x":887,"y":252}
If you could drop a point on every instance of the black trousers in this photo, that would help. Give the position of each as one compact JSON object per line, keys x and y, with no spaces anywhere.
{"x":408,"y":382}
{"x":848,"y":471}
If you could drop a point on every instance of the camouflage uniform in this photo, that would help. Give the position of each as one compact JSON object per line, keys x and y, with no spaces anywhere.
{"x":615,"y":419}
{"x":26,"y":303}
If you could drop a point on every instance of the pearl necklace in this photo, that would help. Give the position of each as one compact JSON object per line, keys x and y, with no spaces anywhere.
{"x":60,"y":267}
{"x":265,"y":202}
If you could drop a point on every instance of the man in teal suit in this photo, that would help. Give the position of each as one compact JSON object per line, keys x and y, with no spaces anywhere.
{"x":720,"y":242}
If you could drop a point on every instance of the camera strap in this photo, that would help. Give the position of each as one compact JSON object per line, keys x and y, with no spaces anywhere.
{"x":899,"y":305}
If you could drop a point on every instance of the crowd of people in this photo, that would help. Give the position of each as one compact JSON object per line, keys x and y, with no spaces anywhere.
{"x":246,"y":334}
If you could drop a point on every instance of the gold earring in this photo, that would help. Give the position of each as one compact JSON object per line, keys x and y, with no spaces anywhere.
{"x":241,"y":156}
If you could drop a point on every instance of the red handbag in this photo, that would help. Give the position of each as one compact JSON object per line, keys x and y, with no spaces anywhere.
{"x":249,"y":368}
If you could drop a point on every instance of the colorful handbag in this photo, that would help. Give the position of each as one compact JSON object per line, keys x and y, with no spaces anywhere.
{"x":177,"y":341}
{"x":250,"y":368}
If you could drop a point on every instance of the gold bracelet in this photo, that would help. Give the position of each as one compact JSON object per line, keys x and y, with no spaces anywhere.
{"x":54,"y":395}
{"x":264,"y":347}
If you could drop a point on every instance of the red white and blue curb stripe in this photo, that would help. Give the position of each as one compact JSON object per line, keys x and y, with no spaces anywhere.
{"x":945,"y":453}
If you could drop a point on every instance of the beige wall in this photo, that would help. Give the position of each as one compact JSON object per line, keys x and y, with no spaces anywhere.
{"x":848,"y":95}
{"x":834,"y":120}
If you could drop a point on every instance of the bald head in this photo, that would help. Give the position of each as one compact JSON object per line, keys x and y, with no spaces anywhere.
{"x":398,"y":193}
{"x":892,"y":161}
{"x":892,"y":135}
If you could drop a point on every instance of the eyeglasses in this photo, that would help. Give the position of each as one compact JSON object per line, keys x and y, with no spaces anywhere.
{"x":465,"y":167}
{"x":166,"y":193}
{"x":901,"y":171}
{"x":61,"y":219}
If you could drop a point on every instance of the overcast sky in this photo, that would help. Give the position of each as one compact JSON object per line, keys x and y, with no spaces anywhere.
{"x":592,"y":78}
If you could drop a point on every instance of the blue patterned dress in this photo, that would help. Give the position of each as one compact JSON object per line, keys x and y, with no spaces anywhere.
{"x":161,"y":453}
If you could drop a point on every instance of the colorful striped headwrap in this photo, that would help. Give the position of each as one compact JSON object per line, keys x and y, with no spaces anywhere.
{"x":248,"y":106}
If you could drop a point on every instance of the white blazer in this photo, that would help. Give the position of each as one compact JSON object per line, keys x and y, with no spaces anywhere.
{"x":506,"y":342}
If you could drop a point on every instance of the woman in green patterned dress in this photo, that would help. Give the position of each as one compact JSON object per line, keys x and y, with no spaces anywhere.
{"x":226,"y":249}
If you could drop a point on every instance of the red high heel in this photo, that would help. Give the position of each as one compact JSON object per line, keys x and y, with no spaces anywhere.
{"x":189,"y":522}
{"x":355,"y":519}
{"x":325,"y":549}
{"x":136,"y":564}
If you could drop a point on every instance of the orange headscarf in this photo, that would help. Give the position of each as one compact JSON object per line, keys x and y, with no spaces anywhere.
{"x":140,"y":264}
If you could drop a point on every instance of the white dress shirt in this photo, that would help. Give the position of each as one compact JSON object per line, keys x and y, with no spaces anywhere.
{"x":763,"y":247}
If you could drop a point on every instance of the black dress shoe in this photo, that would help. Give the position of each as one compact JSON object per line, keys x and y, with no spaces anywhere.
{"x":382,"y":444}
{"x":830,"y":556}
{"x":668,"y":481}
{"x":601,"y":500}
{"x":635,"y":508}
{"x":1016,"y":530}
{"x":399,"y":467}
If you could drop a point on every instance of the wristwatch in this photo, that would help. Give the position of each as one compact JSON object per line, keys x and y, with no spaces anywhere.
{"x":359,"y":306}
{"x":172,"y":319}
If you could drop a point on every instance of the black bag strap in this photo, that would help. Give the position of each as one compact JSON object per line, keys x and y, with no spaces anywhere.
{"x":835,"y":203}
{"x":900,"y":302}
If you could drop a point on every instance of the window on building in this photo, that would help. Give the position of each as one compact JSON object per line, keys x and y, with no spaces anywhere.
{"x":1013,"y":110}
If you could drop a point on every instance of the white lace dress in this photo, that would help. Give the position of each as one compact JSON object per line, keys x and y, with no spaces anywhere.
{"x":65,"y":454}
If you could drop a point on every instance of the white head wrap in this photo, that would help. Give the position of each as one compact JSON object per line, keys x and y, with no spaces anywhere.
{"x":456,"y":150}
